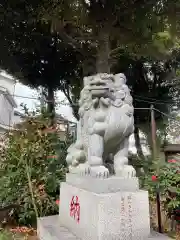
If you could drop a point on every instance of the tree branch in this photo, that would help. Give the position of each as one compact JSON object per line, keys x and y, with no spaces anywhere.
{"x":66,"y":38}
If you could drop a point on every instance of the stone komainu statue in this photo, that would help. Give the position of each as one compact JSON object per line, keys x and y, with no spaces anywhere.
{"x":106,"y":122}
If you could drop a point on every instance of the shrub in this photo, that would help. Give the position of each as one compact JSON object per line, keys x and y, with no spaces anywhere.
{"x":167,"y":181}
{"x":4,"y":235}
{"x":29,"y":177}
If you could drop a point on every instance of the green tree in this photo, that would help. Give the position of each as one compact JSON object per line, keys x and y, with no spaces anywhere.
{"x":38,"y":57}
{"x":75,"y":40}
{"x":109,"y":25}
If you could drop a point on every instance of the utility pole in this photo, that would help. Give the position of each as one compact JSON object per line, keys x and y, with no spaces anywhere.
{"x":154,"y":150}
{"x":153,"y":132}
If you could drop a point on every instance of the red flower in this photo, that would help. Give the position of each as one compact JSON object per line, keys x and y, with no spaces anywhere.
{"x":172,"y":161}
{"x":22,"y":230}
{"x":154,"y":178}
{"x":57,"y":201}
{"x":177,"y":218}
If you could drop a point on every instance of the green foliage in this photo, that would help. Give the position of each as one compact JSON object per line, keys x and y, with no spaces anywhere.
{"x":34,"y":54}
{"x":7,"y":235}
{"x":136,"y":26}
{"x":37,"y":57}
{"x":167,"y":183}
{"x":150,"y":82}
{"x":30,"y":178}
{"x":4,"y":235}
{"x":137,"y":162}
{"x":49,"y":43}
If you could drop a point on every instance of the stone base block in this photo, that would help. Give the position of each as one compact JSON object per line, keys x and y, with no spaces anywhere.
{"x":49,"y":229}
{"x":116,"y":216}
{"x":108,"y":185}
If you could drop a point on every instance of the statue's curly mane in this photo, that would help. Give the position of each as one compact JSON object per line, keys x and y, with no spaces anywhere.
{"x":85,"y":101}
{"x":118,"y":115}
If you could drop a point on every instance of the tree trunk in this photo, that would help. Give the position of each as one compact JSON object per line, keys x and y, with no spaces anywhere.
{"x":51,"y":105}
{"x":138,"y":142}
{"x":75,"y":110}
{"x":89,"y":65}
{"x":102,"y":61}
{"x":178,"y":231}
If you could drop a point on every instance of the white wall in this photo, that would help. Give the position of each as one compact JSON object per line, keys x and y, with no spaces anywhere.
{"x":7,"y":83}
{"x":6,"y":110}
{"x":6,"y":101}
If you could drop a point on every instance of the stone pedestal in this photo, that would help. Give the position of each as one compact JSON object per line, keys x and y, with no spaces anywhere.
{"x":96,"y":209}
{"x":122,"y":215}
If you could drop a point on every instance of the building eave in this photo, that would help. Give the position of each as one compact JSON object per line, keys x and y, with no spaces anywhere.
{"x":7,"y":77}
{"x":5,"y":128}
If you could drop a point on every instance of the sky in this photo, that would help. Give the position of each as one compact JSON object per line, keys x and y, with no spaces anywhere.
{"x":22,"y":90}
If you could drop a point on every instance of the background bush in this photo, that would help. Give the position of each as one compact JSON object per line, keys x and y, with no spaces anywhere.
{"x":29,"y":176}
{"x":166,"y":180}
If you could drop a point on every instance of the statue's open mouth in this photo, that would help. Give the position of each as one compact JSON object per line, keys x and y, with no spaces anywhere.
{"x":99,"y":88}
{"x":96,"y":85}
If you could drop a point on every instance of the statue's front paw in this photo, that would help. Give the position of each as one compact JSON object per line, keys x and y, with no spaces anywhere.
{"x":129,"y":171}
{"x":81,"y":169}
{"x":99,"y":172}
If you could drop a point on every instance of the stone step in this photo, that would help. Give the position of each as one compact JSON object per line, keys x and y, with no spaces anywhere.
{"x":50,"y":229}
